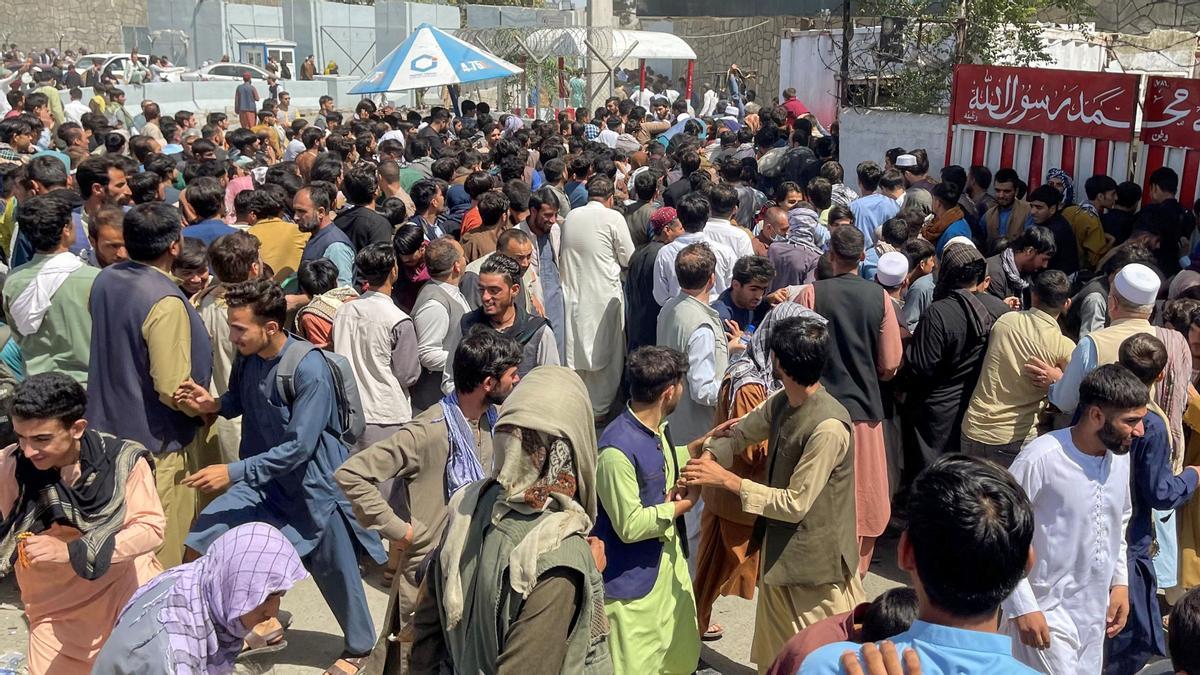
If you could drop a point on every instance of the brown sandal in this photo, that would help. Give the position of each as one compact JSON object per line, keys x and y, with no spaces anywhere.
{"x":352,"y":666}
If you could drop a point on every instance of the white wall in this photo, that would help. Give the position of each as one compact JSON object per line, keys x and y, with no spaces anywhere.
{"x":867,"y":134}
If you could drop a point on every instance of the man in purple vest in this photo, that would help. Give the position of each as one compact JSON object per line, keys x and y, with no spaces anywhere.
{"x":648,"y":591}
{"x":152,"y":340}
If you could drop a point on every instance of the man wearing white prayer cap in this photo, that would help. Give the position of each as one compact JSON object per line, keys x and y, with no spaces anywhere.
{"x":1130,"y":303}
{"x":891,"y":273}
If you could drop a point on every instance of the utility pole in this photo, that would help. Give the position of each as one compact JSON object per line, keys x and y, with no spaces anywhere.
{"x":847,"y":36}
{"x":599,"y":22}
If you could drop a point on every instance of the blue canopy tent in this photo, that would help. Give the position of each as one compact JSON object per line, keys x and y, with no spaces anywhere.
{"x":431,"y":57}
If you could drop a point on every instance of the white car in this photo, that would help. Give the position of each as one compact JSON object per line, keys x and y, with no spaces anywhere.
{"x":117,"y":64}
{"x":224,"y":72}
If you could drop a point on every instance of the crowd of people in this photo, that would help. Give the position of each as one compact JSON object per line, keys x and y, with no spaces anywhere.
{"x":570,"y":381}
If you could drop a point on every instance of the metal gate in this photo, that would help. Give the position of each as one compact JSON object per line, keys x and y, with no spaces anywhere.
{"x":1036,"y":119}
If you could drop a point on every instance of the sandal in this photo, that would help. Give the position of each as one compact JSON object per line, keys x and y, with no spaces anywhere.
{"x":714,"y":632}
{"x":267,"y":637}
{"x":347,"y":665}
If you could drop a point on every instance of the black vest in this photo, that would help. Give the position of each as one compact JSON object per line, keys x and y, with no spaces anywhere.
{"x":854,"y":309}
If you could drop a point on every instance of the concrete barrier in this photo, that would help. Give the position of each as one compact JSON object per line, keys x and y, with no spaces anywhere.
{"x":217,"y":96}
{"x":868,"y":133}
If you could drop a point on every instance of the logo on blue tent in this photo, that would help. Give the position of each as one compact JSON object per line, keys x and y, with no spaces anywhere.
{"x":472,"y":66}
{"x":424,"y":63}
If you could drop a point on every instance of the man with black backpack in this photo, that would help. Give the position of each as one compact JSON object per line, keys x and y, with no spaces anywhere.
{"x":299,"y":408}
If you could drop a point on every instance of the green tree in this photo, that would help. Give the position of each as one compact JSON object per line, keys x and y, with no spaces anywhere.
{"x":937,"y":34}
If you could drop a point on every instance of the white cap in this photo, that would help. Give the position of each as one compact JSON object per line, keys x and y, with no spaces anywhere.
{"x":1137,"y":284}
{"x":959,"y":240}
{"x":892,"y":269}
{"x":903,"y":161}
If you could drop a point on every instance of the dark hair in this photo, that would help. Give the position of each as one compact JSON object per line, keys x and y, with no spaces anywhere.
{"x":600,"y":187}
{"x":1039,"y":238}
{"x":894,"y":231}
{"x":800,"y":346}
{"x":751,"y":267}
{"x":493,"y":206}
{"x":1052,"y":288}
{"x":981,"y":175}
{"x":847,"y":243}
{"x":1129,"y":195}
{"x":483,"y":353}
{"x":43,"y":218}
{"x":47,"y":170}
{"x":832,"y":171}
{"x":1007,"y":175}
{"x":49,"y":396}
{"x":947,"y":193}
{"x":1098,"y":185}
{"x":955,"y":174}
{"x":206,"y":197}
{"x":1128,"y":254}
{"x":150,"y":229}
{"x":232,"y":255}
{"x":505,"y":266}
{"x":423,"y":193}
{"x":374,"y":263}
{"x":393,"y":209}
{"x":892,"y":613}
{"x":970,"y":526}
{"x":1165,"y":178}
{"x":869,"y":174}
{"x":408,"y":239}
{"x":1183,"y":640}
{"x":317,"y":276}
{"x":694,"y":266}
{"x":651,"y":370}
{"x":193,"y":255}
{"x":693,"y":212}
{"x":93,"y":171}
{"x":360,"y":184}
{"x":478,"y":183}
{"x":143,"y":187}
{"x":264,"y":297}
{"x":518,"y":194}
{"x":321,"y":194}
{"x":1112,"y":387}
{"x":554,"y":170}
{"x":1144,"y":355}
{"x":723,"y":199}
{"x":820,"y":193}
{"x":1046,"y":194}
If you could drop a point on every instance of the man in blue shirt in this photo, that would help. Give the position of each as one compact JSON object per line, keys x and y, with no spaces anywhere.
{"x":206,"y":197}
{"x":966,"y":546}
{"x":878,"y":202}
{"x":289,"y":451}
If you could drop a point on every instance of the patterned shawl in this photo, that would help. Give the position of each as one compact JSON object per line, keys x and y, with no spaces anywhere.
{"x":94,"y":505}
{"x":203,"y":608}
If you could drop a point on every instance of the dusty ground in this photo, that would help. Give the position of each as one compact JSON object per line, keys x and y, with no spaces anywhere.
{"x":315,"y":640}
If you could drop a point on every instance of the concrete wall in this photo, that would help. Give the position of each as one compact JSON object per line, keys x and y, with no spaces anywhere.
{"x":205,"y":97}
{"x":867,"y":134}
{"x":94,"y":25}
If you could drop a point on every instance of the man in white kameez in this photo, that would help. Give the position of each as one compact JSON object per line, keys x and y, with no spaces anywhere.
{"x":1078,"y":482}
{"x":594,"y":251}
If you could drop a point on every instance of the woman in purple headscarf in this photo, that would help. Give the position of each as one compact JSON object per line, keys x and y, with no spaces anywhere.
{"x":192,"y":619}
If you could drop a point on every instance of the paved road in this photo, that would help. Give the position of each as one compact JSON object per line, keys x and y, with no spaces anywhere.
{"x":315,"y":640}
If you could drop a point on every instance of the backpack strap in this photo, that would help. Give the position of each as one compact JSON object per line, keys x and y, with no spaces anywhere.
{"x":285,"y":373}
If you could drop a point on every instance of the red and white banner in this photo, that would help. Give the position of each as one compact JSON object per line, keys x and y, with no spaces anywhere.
{"x":1171,"y":133}
{"x":1035,"y":119}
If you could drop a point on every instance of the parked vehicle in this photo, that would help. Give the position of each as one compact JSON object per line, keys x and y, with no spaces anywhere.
{"x":224,"y":72}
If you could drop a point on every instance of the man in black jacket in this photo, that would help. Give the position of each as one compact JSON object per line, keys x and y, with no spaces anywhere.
{"x":435,"y":131}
